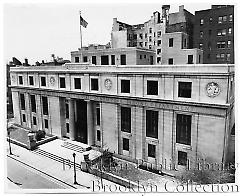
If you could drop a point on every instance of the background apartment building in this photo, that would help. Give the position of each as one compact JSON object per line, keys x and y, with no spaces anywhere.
{"x":156,"y":33}
{"x":214,"y":34}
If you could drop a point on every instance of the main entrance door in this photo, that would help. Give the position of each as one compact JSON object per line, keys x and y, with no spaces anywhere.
{"x":81,"y":121}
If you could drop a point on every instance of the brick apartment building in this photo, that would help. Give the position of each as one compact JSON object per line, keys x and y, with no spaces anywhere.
{"x":214,"y":34}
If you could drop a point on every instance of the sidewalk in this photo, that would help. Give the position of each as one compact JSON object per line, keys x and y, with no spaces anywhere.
{"x":87,"y":182}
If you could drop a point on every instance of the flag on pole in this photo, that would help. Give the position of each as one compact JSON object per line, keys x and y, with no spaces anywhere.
{"x":83,"y":22}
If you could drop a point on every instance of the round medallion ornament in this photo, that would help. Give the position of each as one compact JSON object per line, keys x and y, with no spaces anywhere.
{"x":52,"y":80}
{"x":212,"y":89}
{"x":108,"y":84}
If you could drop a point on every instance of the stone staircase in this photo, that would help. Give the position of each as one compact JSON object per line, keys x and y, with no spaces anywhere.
{"x":57,"y":158}
{"x":75,"y":147}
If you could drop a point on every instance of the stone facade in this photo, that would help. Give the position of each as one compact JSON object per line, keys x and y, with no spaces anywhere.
{"x":94,"y":114}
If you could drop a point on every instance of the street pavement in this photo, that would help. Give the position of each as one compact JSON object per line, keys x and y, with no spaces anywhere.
{"x":55,"y":170}
{"x":28,"y":178}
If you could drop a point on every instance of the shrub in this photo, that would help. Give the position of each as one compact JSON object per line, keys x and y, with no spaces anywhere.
{"x":40,"y":134}
{"x":206,"y":176}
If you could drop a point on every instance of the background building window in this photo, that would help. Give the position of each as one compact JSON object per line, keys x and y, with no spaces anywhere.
{"x":152,"y":124}
{"x":20,"y":79}
{"x":85,"y":59}
{"x":152,"y":87}
{"x":125,"y":144}
{"x":170,"y":42}
{"x":22,"y":101}
{"x":159,"y":33}
{"x":159,"y":42}
{"x":184,"y":89}
{"x":104,"y":60}
{"x":200,"y":46}
{"x":77,"y":83}
{"x":221,"y":45}
{"x":201,"y":21}
{"x":43,"y":81}
{"x":126,"y":119}
{"x":113,"y":59}
{"x":190,"y":59}
{"x":76,"y":59}
{"x":228,"y":57}
{"x":201,"y":34}
{"x":230,"y":18}
{"x":158,"y":59}
{"x":150,"y":30}
{"x":33,"y":103}
{"x":230,"y":31}
{"x":158,"y":51}
{"x":182,"y":158}
{"x":151,"y":150}
{"x":125,"y":86}
{"x":123,"y":59}
{"x":34,"y":120}
{"x":62,"y":82}
{"x":229,"y":43}
{"x":94,"y":84}
{"x":45,"y":105}
{"x":94,"y":60}
{"x":170,"y":61}
{"x":183,"y":128}
{"x":31,"y":82}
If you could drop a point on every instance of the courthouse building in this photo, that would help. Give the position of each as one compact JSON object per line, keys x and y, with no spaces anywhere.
{"x":165,"y":114}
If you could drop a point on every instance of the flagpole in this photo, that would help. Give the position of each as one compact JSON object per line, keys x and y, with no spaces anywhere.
{"x":81,"y":56}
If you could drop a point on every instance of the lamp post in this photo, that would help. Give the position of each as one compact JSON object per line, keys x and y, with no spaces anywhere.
{"x":9,"y":142}
{"x":74,"y":169}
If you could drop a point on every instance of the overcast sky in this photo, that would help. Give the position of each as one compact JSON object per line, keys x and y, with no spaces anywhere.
{"x":35,"y":31}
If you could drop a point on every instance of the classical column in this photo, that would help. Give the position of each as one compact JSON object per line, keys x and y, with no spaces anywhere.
{"x":90,"y":128}
{"x":72,"y":119}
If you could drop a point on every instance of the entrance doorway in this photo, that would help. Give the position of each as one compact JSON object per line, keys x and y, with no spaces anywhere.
{"x":81,"y":121}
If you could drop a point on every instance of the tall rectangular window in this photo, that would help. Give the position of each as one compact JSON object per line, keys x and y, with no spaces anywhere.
{"x":34,"y":120}
{"x":152,"y":124}
{"x":24,"y":118}
{"x":67,"y":127}
{"x":76,"y":59}
{"x":126,"y":144}
{"x":67,"y":110}
{"x":20,"y":79}
{"x":46,"y":123}
{"x":94,"y":84}
{"x":170,"y":42}
{"x":182,"y":158}
{"x":33,"y":103}
{"x":123,"y":59}
{"x":77,"y":83}
{"x":94,"y":60}
{"x":43,"y":81}
{"x":183,"y":128}
{"x":31,"y":82}
{"x":98,"y":135}
{"x":22,"y":101}
{"x":45,"y":105}
{"x":151,"y":150}
{"x":184,"y":89}
{"x":125,"y":86}
{"x":152,"y":87}
{"x":112,"y":59}
{"x":98,"y":115}
{"x":126,"y":119}
{"x":62,"y":82}
{"x":201,"y":21}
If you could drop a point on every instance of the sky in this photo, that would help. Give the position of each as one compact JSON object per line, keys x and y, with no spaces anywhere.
{"x":37,"y":30}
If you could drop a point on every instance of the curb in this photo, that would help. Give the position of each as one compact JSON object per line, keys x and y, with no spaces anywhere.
{"x":47,"y":174}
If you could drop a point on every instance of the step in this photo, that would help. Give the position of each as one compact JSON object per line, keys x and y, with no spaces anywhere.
{"x":56,"y":158}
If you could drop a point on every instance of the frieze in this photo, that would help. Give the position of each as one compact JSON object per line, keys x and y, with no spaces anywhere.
{"x":127,"y":101}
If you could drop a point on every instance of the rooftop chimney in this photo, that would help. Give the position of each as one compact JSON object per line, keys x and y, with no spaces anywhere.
{"x":26,"y":62}
{"x":181,"y":8}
